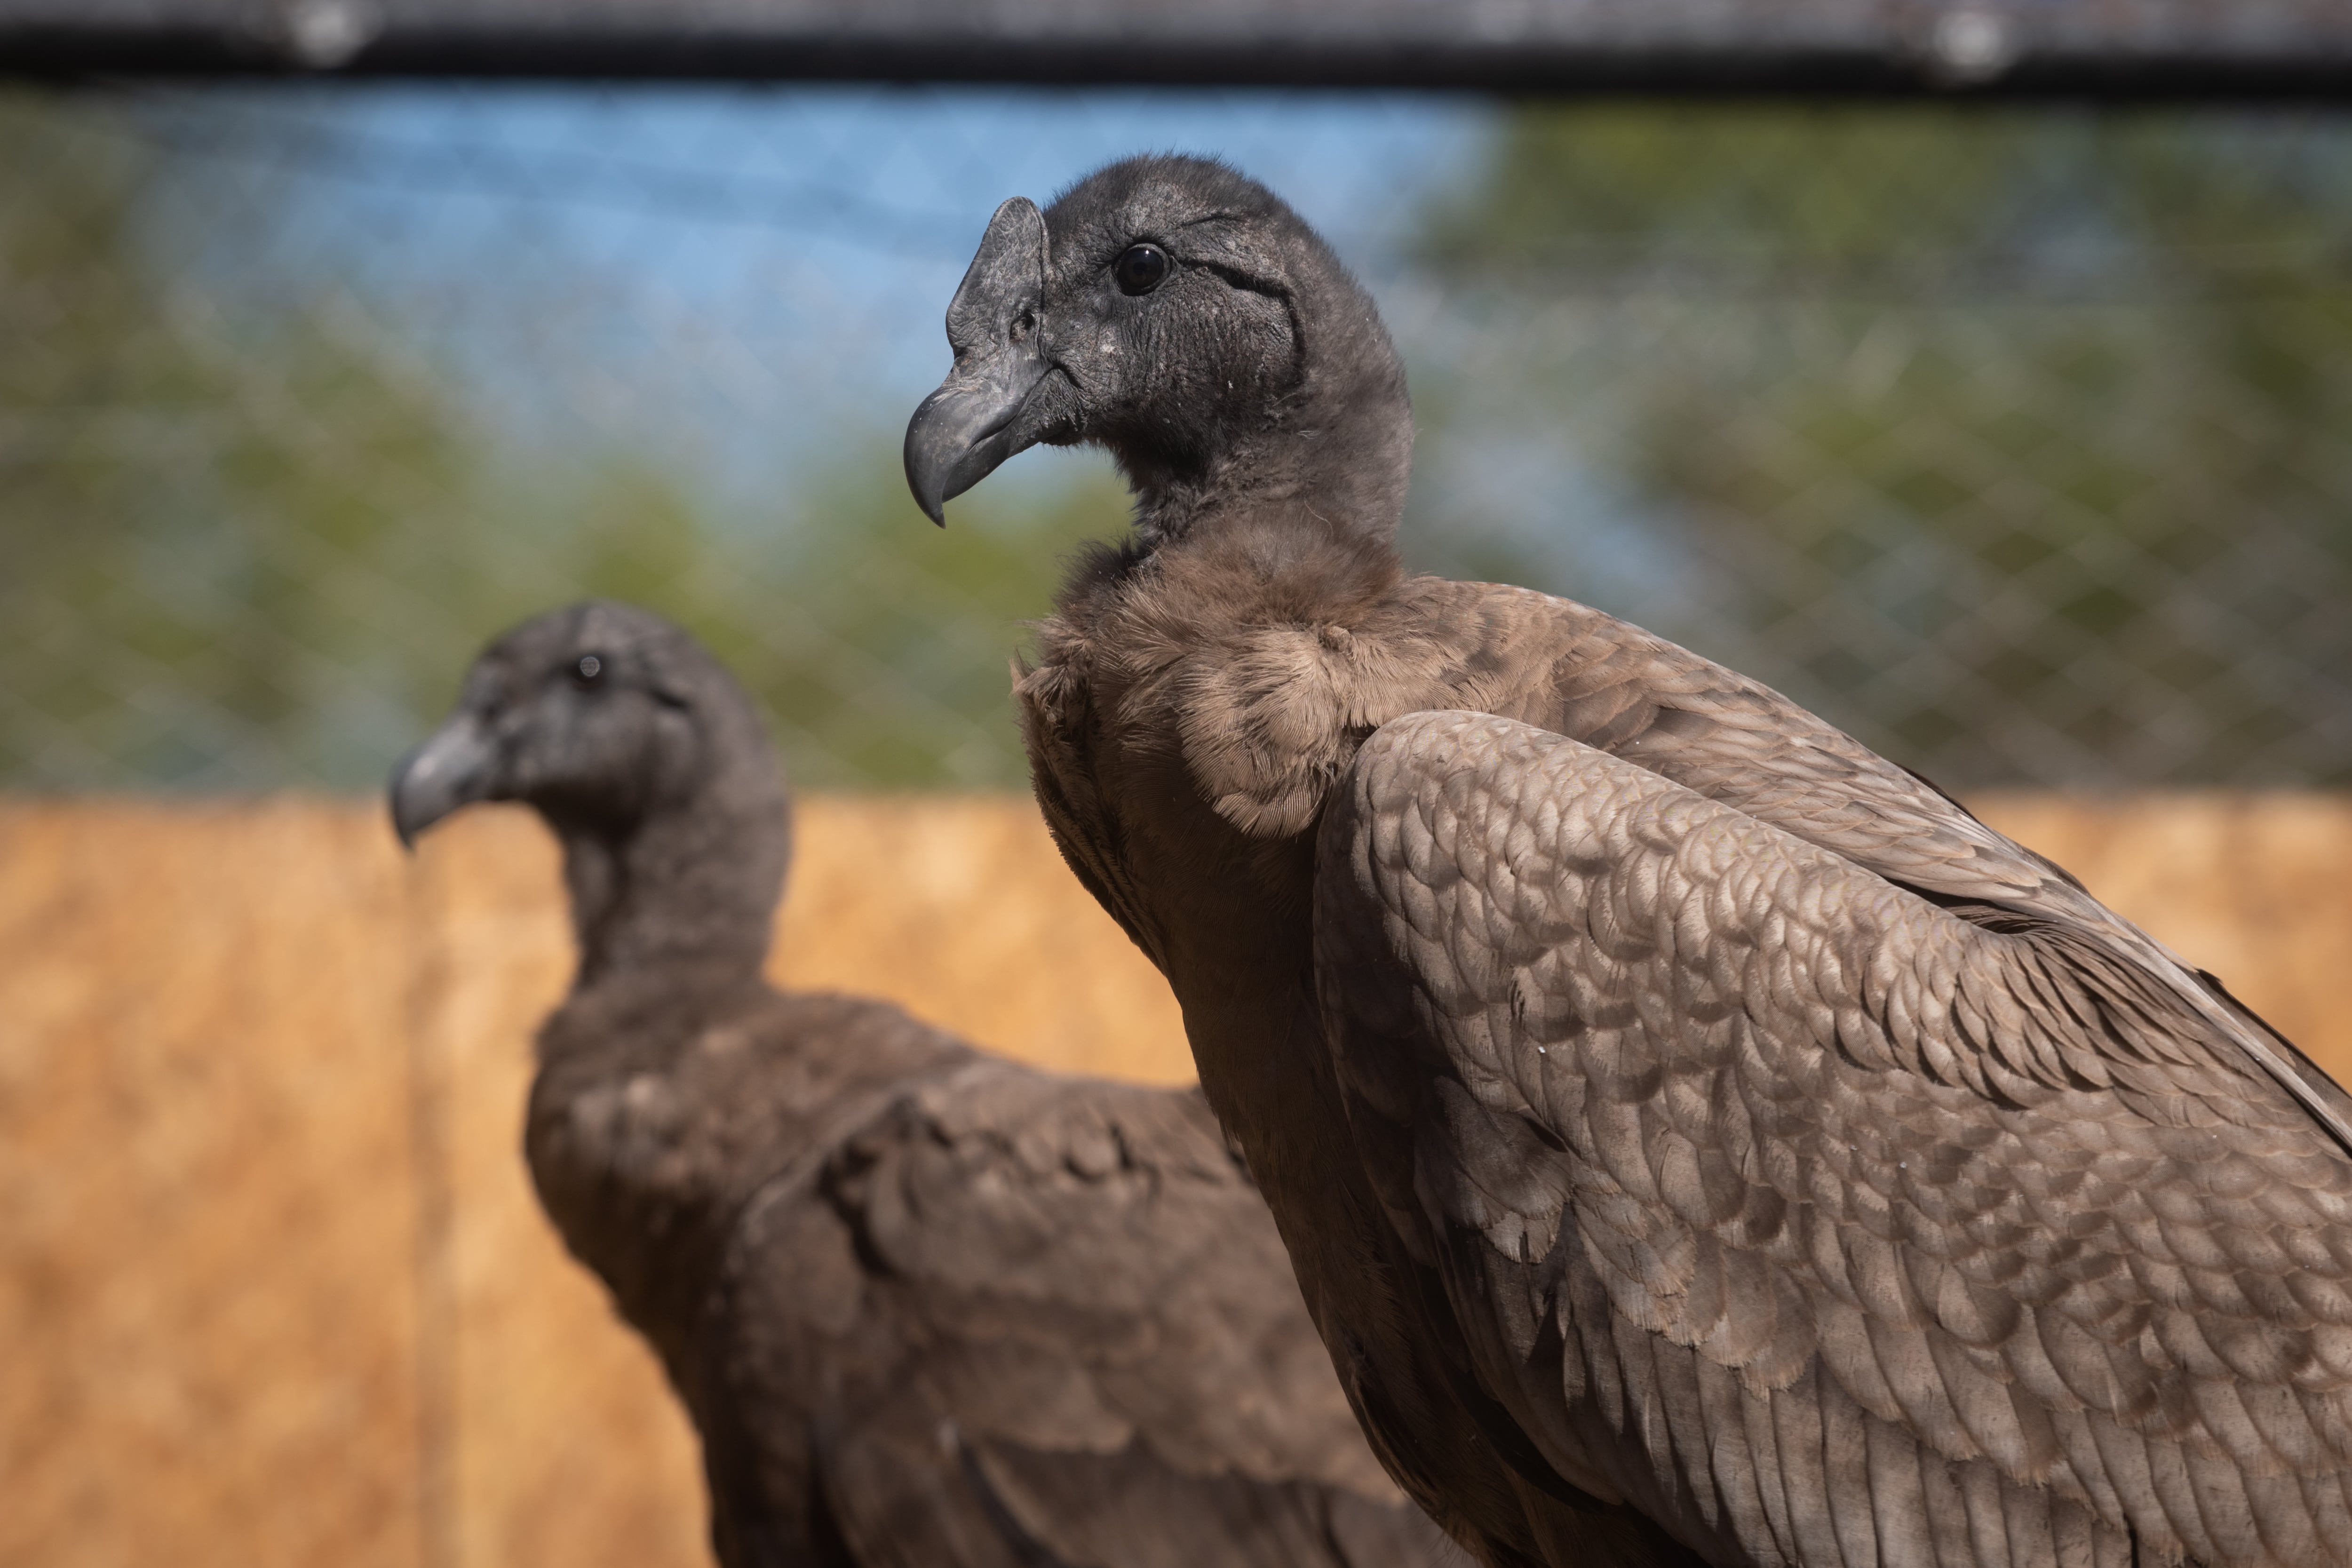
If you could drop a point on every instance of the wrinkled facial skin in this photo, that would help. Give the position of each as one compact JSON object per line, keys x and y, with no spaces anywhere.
{"x":568,"y":713}
{"x":1050,"y":348}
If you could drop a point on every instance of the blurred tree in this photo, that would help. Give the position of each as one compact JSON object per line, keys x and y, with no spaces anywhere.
{"x":247,"y":541}
{"x":2013,"y":440}
{"x":181,"y":545}
{"x":886,"y":642}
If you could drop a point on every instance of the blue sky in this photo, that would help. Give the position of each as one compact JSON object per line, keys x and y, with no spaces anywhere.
{"x":727,"y":275}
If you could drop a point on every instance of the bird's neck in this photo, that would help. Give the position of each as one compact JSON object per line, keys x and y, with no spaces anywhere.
{"x":1341,"y":450}
{"x":687,"y":887}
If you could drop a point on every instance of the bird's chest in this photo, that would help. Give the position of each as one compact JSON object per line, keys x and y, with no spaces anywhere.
{"x":1122,"y":789}
{"x":1228,"y":917}
{"x":621,"y":1165}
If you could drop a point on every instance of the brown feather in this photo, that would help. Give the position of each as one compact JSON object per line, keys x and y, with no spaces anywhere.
{"x":925,"y":1305}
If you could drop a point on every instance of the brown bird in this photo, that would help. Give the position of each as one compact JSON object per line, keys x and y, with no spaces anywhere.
{"x":925,"y":1307}
{"x":1699,"y":1140}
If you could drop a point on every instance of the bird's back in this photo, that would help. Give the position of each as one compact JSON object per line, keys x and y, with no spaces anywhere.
{"x":1054,"y":1324}
{"x":667,"y":1100}
{"x":931,"y":1307}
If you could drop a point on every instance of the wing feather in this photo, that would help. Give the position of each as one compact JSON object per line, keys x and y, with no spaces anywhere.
{"x":1046,"y":1322}
{"x":1571,"y":670}
{"x":1100,"y":1316}
{"x":1848,"y":1212}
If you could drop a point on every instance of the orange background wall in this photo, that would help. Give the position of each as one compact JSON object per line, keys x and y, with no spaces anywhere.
{"x":272,"y":1281}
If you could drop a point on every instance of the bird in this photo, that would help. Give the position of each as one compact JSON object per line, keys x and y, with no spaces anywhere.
{"x":1698,"y":1138}
{"x":924,"y":1305}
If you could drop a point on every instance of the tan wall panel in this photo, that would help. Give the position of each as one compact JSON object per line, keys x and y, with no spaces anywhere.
{"x":268,"y":1250}
{"x":207,"y":1231}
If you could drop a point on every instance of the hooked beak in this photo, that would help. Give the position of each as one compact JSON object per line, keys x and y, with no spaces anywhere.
{"x":972,"y":423}
{"x":455,"y":766}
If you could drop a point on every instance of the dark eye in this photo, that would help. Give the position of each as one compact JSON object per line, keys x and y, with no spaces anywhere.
{"x":1141,"y":269}
{"x":588,"y":671}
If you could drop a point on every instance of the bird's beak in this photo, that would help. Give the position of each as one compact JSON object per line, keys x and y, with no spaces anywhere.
{"x":455,"y":766}
{"x":973,"y":422}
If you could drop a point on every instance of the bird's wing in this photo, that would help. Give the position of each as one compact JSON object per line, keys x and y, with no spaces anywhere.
{"x":1825,"y":1225}
{"x":1716,"y":732}
{"x":1097,"y":1353}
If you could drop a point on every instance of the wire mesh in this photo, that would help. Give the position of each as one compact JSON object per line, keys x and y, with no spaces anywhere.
{"x":2010,"y":439}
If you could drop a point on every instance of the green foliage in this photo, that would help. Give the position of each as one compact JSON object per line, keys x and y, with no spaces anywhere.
{"x":259,"y":549}
{"x":178,"y":536}
{"x":897,"y":653}
{"x":2012,"y":440}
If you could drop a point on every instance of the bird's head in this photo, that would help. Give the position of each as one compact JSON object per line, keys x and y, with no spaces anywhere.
{"x":598,"y":715}
{"x":1180,"y":315}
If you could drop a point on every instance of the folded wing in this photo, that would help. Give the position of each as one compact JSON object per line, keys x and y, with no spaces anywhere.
{"x":1713,"y":730}
{"x":1824,"y":1224}
{"x":1081,"y":1345}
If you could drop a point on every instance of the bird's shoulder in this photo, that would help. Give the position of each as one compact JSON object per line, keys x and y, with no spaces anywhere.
{"x":1269,"y":668}
{"x":1054,"y":1310}
{"x":1258,"y":663}
{"x":1266,"y":669}
{"x":1101,"y":1239}
{"x":1732,"y":740}
{"x":672,"y":1093}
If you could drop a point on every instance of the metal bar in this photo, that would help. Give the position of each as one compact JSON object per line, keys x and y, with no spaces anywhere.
{"x":2159,"y":49}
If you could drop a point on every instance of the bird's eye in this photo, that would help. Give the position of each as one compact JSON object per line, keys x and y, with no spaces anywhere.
{"x":588,"y":671}
{"x":1141,"y":269}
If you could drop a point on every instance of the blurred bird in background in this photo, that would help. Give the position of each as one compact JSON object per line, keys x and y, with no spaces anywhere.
{"x":924,"y":1305}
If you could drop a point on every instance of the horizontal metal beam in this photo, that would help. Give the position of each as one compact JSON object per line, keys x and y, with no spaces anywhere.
{"x":2088,"y":49}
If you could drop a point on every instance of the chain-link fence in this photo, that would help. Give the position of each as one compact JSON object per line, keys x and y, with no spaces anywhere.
{"x":2012,"y":440}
